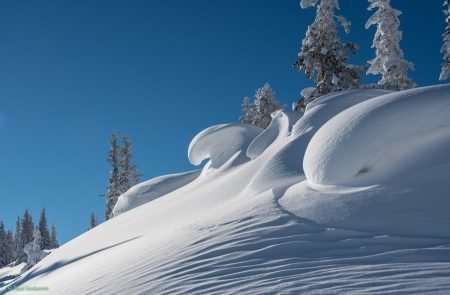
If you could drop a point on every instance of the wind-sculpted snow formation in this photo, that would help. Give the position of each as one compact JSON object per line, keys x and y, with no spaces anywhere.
{"x":350,"y":198}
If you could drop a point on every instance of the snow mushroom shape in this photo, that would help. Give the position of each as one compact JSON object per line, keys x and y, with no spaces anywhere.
{"x":221,"y":142}
{"x":377,"y":140}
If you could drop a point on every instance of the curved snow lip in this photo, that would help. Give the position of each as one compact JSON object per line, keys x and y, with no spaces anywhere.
{"x":221,"y":143}
{"x":379,"y":139}
{"x":280,"y":127}
{"x":152,"y":189}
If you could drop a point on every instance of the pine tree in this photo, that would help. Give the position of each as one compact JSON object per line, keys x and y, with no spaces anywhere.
{"x":389,"y":60}
{"x":53,"y":239}
{"x":3,"y":258}
{"x":9,"y":247}
{"x":114,"y":187}
{"x":17,"y":237}
{"x":43,"y":229}
{"x":129,"y":175}
{"x":93,"y":221}
{"x":248,"y":111}
{"x":26,"y":235}
{"x":445,"y":49}
{"x":323,"y":57}
{"x":265,"y":104}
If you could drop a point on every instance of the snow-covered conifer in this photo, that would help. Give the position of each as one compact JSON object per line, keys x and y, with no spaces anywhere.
{"x":53,"y":239}
{"x":114,"y":189}
{"x":26,"y":235}
{"x":92,"y":221}
{"x":264,"y":104}
{"x":45,"y":234}
{"x":445,"y":49}
{"x":323,"y":57}
{"x":129,"y":175}
{"x":247,"y":111}
{"x":389,"y":61}
{"x":33,"y":251}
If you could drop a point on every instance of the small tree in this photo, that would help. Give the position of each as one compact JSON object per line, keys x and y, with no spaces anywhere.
{"x":248,"y":111}
{"x":53,"y":239}
{"x":92,"y":221}
{"x":265,"y":104}
{"x":129,"y":175}
{"x":323,"y":57}
{"x":17,"y":240}
{"x":389,"y":60}
{"x":113,"y":191}
{"x":43,"y":229}
{"x":445,"y":49}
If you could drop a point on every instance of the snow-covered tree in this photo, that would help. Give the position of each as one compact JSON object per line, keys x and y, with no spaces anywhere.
{"x":6,"y":246}
{"x":53,"y":239}
{"x":445,"y":49}
{"x":264,"y":105}
{"x":247,"y":111}
{"x":323,"y":57}
{"x":92,"y":221}
{"x":114,"y":189}
{"x":129,"y":175}
{"x":389,"y":61}
{"x":17,"y":236}
{"x":33,"y":251}
{"x":43,"y":229}
{"x":26,"y":235}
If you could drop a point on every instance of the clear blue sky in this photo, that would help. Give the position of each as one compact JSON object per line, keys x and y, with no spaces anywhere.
{"x":158,"y":70}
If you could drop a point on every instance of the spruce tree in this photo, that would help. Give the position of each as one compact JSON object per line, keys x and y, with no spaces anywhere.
{"x":17,"y":237}
{"x":92,"y":221}
{"x":445,"y":49}
{"x":114,"y":187}
{"x":9,"y":247}
{"x":389,"y":61}
{"x":53,"y":239}
{"x":323,"y":57}
{"x":247,"y":111}
{"x":3,"y":258}
{"x":265,"y":104}
{"x":129,"y":175}
{"x":45,"y":234}
{"x":26,"y":235}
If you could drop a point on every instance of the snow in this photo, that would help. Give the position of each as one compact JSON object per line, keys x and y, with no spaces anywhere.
{"x":266,"y":224}
{"x":221,"y":143}
{"x":152,"y":189}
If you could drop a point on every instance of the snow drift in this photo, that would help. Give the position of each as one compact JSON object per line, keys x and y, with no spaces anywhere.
{"x":366,"y":213}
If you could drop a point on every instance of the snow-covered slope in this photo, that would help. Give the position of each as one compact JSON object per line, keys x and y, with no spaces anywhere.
{"x":370,"y":216}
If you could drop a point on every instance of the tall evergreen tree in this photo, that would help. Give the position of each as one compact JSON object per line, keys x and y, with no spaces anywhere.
{"x":445,"y":49}
{"x":9,"y":247}
{"x":114,"y":187}
{"x":53,"y":238}
{"x":26,"y":235}
{"x":3,"y":259}
{"x":17,"y":237}
{"x":323,"y":57}
{"x":129,"y":175}
{"x":389,"y":61}
{"x":248,"y":111}
{"x":45,"y":234}
{"x":92,"y":221}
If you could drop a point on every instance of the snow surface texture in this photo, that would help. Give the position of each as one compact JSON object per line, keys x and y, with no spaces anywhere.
{"x":259,"y":226}
{"x":152,"y":189}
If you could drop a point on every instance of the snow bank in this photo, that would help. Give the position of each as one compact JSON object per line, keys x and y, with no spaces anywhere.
{"x":380,"y":139}
{"x":263,"y":228}
{"x":152,"y":189}
{"x":221,"y":143}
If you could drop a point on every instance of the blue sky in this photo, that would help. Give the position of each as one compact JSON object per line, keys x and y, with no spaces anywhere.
{"x":157,"y":70}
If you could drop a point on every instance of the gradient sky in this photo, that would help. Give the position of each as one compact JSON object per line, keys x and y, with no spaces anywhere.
{"x":157,"y":70}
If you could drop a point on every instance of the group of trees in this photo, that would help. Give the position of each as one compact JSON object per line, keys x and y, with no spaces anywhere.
{"x":12,"y":244}
{"x":258,"y":112}
{"x":123,"y":173}
{"x":324,"y":58}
